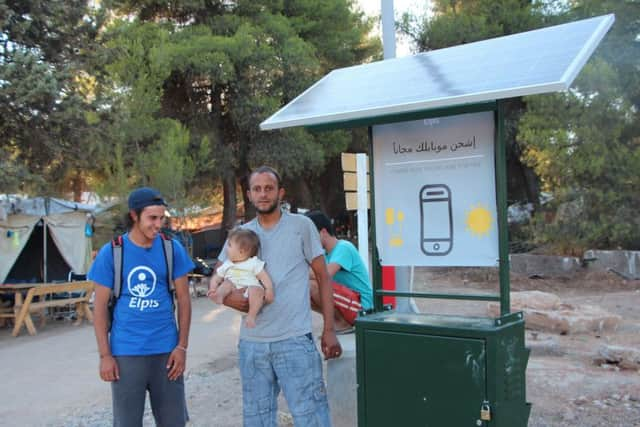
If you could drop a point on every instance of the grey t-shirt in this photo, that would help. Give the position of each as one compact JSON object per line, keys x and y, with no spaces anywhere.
{"x":287,"y":250}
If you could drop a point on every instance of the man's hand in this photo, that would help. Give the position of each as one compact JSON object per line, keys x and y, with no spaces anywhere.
{"x":109,"y":369}
{"x":177,"y":363}
{"x":236,"y":300}
{"x":330,"y":345}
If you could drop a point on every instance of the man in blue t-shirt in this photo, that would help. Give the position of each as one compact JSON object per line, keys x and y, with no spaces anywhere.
{"x":144,"y":349}
{"x":346,"y":270}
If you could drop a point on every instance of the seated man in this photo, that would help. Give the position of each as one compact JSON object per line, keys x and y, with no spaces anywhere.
{"x":346,"y":270}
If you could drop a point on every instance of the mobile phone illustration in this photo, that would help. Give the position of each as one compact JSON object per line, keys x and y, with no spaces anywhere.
{"x":436,"y":220}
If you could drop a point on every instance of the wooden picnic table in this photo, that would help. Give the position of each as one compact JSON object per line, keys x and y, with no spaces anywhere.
{"x":35,"y":301}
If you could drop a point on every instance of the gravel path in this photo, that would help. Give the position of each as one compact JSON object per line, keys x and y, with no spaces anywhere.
{"x":51,"y":379}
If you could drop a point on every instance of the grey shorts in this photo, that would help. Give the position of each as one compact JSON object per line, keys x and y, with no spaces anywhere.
{"x":139,"y":374}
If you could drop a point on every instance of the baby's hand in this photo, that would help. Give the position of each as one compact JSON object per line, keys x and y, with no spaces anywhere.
{"x":212,"y":291}
{"x":268,"y":295}
{"x":250,"y":321}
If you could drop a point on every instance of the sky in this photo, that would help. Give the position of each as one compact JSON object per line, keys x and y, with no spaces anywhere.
{"x":415,"y":7}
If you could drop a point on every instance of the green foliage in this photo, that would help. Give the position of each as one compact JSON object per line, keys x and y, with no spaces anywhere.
{"x":136,"y":67}
{"x":45,"y":46}
{"x":220,"y":68}
{"x":585,"y":144}
{"x":14,"y":173}
{"x":114,"y":179}
{"x":465,"y":21}
{"x":168,"y":165}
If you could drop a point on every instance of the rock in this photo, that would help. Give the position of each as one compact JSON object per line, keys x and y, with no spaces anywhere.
{"x":536,"y":300}
{"x":544,"y":312}
{"x":543,"y":345}
{"x":623,"y":357}
{"x":580,"y":400}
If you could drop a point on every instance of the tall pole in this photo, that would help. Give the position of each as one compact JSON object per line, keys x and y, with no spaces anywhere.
{"x":45,"y":273}
{"x":45,"y":277}
{"x":363,"y":206}
{"x":503,"y":225}
{"x":388,"y":29}
{"x":402,"y":274}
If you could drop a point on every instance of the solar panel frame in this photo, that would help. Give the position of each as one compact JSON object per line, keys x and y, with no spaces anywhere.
{"x":546,"y":60}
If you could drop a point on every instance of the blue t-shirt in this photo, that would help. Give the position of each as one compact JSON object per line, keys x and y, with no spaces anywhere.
{"x":143,"y":319}
{"x":352,"y":274}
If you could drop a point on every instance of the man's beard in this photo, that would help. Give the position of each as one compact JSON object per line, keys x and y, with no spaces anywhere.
{"x":271,"y":209}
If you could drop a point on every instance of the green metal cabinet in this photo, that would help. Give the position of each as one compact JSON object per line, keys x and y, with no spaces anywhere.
{"x":441,"y":371}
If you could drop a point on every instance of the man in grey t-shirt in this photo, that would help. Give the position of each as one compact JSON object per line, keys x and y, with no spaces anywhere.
{"x":279,"y":352}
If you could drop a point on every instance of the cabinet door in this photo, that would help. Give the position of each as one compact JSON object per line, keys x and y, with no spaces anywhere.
{"x":421,"y":380}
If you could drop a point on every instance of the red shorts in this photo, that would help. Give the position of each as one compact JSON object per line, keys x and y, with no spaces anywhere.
{"x":347,"y":302}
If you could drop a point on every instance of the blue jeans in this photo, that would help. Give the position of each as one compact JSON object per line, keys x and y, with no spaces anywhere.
{"x":295,"y":366}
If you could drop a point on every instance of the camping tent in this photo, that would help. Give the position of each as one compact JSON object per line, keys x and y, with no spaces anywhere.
{"x":43,"y":239}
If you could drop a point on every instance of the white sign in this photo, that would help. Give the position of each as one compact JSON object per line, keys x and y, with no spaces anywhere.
{"x":435,"y":198}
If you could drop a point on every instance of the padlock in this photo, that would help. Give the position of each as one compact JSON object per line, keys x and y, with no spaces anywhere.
{"x":485,"y":411}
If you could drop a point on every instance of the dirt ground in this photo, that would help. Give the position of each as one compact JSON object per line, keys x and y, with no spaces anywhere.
{"x":564,"y":384}
{"x":51,"y":379}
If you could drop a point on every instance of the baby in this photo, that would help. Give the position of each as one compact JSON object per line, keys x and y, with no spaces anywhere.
{"x":243,"y":269}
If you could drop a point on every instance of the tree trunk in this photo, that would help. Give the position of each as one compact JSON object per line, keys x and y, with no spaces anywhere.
{"x":332,"y":196}
{"x":299,"y":195}
{"x":77,"y":186}
{"x":249,"y":209}
{"x":230,"y":201}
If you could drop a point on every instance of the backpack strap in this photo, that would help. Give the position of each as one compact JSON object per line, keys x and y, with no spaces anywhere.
{"x":167,"y":247}
{"x":117,"y":248}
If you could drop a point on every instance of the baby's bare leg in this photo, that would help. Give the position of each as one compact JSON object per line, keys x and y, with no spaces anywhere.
{"x":222,"y":291}
{"x":256,"y":300}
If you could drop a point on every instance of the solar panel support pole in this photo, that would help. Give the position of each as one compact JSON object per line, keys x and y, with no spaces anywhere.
{"x":388,"y":29}
{"x":363,"y":220}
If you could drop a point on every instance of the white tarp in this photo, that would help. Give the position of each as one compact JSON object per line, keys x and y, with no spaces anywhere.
{"x":65,"y":223}
{"x":15,"y":232}
{"x":68,"y":232}
{"x":41,"y":206}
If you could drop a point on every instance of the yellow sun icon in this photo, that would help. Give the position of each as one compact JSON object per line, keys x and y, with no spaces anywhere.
{"x":478,"y":221}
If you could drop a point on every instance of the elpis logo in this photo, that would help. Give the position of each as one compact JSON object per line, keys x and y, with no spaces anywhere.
{"x":141,"y":282}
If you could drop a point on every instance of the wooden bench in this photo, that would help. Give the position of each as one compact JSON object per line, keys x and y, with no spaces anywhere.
{"x":9,"y":313}
{"x":6,"y":313}
{"x":31,"y":304}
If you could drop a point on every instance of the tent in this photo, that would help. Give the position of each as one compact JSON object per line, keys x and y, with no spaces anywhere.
{"x":43,"y":239}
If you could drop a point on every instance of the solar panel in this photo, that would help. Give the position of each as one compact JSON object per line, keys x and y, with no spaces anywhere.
{"x":533,"y":62}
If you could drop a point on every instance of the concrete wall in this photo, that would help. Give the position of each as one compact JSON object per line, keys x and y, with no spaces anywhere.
{"x":544,"y":265}
{"x":625,"y":263}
